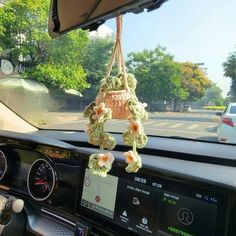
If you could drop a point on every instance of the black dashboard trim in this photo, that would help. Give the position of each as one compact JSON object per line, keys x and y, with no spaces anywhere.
{"x":191,"y":150}
{"x":170,"y":160}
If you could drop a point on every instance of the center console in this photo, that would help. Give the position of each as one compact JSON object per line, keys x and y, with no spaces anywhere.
{"x":146,"y":204}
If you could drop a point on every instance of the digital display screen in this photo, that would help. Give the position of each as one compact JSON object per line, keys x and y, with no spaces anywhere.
{"x":149,"y":206}
{"x":181,"y":215}
{"x":99,"y":194}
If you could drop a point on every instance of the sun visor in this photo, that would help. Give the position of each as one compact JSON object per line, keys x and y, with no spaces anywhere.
{"x":66,"y":15}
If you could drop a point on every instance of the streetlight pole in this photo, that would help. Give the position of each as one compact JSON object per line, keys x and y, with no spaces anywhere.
{"x":201,"y":64}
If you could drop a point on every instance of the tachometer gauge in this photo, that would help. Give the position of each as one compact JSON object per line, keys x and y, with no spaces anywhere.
{"x":41,"y":180}
{"x":3,"y":165}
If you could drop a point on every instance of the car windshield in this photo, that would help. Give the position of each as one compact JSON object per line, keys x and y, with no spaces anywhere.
{"x":232,"y":110}
{"x":182,"y":55}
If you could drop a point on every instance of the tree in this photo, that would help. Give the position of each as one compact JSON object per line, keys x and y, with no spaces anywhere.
{"x":158,"y":75}
{"x":23,"y":31}
{"x":95,"y":62}
{"x":63,"y":66}
{"x":194,"y":81}
{"x":230,"y":71}
{"x":213,"y":96}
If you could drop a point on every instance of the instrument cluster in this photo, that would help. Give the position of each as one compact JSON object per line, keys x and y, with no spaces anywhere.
{"x":27,"y":171}
{"x":41,"y":180}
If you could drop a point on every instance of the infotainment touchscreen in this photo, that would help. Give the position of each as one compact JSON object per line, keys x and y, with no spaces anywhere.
{"x":152,"y":206}
{"x":99,"y":194}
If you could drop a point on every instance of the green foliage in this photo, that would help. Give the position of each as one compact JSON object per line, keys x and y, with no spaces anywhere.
{"x":23,"y":30}
{"x":158,"y":76}
{"x":230,"y":71}
{"x":68,"y":77}
{"x":213,"y":96}
{"x":95,"y":62}
{"x":194,"y":81}
{"x":219,"y":102}
{"x":230,"y":66}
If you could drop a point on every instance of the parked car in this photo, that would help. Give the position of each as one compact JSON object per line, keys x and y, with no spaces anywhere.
{"x":226,"y":131}
{"x":178,"y":109}
{"x":186,"y":108}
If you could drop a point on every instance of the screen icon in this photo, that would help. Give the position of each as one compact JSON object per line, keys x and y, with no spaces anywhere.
{"x":136,"y":201}
{"x":124,"y":213}
{"x":87,"y":182}
{"x":144,"y":221}
{"x":185,"y":216}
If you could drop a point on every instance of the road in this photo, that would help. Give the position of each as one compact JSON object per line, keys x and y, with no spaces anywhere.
{"x":197,"y":124}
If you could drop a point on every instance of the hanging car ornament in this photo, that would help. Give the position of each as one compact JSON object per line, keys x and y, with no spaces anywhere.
{"x":116,"y":99}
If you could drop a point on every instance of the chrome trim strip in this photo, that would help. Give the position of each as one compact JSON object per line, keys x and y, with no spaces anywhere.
{"x":58,"y":217}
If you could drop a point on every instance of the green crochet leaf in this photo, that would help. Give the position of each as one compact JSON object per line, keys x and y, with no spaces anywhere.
{"x":137,"y":109}
{"x":109,"y":141}
{"x":89,"y":109}
{"x":128,"y":138}
{"x":95,"y":168}
{"x":141,"y":140}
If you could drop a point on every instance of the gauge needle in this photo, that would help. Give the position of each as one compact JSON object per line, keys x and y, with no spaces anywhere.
{"x":40,"y":182}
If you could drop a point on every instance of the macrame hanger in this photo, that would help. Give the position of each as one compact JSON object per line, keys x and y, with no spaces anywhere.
{"x":117,"y":52}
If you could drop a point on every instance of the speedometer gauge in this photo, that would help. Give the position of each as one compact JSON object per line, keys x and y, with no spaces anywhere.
{"x":3,"y":164}
{"x":41,"y":180}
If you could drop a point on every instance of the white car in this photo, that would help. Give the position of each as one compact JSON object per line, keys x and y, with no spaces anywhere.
{"x":226,"y":131}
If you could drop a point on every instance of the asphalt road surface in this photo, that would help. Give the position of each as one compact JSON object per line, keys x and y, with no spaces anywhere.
{"x":197,"y":124}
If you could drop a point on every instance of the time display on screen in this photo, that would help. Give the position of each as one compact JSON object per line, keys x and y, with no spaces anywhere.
{"x":152,"y":206}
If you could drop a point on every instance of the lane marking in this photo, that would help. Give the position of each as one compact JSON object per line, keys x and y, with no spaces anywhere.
{"x":212,"y":126}
{"x":160,"y":124}
{"x":117,"y":122}
{"x":175,"y":126}
{"x":192,"y":127}
{"x":149,"y":122}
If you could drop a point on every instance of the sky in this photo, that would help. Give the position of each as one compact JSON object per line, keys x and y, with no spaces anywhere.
{"x":191,"y":30}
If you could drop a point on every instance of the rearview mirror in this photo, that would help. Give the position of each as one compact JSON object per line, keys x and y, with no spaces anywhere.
{"x":66,"y":15}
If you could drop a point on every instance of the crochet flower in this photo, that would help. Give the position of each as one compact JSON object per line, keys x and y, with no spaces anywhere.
{"x":135,"y":127}
{"x":130,"y":157}
{"x":105,"y":160}
{"x":100,"y":111}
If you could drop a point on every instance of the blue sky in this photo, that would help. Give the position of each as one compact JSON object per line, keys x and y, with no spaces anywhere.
{"x":191,"y":30}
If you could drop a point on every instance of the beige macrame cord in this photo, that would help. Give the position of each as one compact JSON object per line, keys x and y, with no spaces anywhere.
{"x":117,"y":52}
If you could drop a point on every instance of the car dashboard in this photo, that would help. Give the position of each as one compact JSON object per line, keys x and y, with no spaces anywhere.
{"x":168,"y":196}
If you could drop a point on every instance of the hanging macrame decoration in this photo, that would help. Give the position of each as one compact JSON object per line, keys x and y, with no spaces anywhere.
{"x":116,"y":99}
